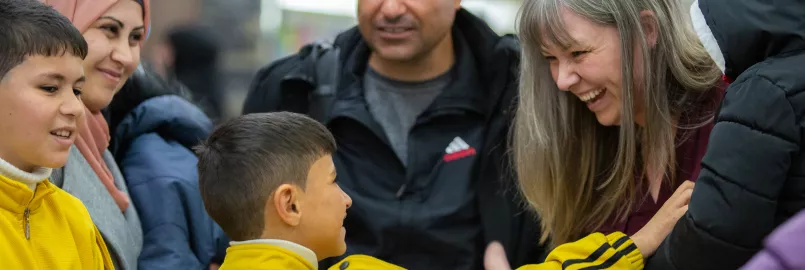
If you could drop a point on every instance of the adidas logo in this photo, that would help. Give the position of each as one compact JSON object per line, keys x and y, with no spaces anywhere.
{"x":458,"y":149}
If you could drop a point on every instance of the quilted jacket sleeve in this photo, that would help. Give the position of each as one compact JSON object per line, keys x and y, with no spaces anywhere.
{"x":733,"y":206}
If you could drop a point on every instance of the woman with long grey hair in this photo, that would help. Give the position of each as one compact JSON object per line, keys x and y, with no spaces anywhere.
{"x":616,"y":105}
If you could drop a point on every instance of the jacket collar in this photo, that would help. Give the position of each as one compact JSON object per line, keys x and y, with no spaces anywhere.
{"x":482,"y":55}
{"x":16,"y":196}
{"x":305,"y":253}
{"x":170,"y":116}
{"x":463,"y":92}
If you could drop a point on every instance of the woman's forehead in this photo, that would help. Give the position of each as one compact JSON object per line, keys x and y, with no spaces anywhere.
{"x":569,"y":29}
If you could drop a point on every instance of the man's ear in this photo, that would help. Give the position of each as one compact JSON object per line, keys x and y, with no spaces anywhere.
{"x":286,"y":202}
{"x":648,"y":21}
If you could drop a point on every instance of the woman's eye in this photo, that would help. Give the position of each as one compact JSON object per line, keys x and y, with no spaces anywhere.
{"x":49,"y":89}
{"x":135,"y":39}
{"x":77,"y":92}
{"x":111,"y":29}
{"x":550,"y":58}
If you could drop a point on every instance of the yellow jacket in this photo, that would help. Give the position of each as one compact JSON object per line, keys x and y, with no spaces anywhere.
{"x":47,"y":229}
{"x":270,"y":257}
{"x":596,"y":251}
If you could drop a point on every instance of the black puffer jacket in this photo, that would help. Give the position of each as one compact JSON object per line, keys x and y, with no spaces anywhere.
{"x":753,"y":175}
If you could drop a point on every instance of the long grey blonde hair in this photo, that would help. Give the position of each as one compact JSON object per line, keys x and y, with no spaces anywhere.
{"x":576,"y":173}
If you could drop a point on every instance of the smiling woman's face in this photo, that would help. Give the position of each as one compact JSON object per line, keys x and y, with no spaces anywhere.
{"x":114,"y":52}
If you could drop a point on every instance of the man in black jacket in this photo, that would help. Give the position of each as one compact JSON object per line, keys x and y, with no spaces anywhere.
{"x":753,"y":175}
{"x":423,"y":101}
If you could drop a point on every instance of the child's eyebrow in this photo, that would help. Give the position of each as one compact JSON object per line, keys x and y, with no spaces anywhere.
{"x":54,"y":76}
{"x":60,"y":78}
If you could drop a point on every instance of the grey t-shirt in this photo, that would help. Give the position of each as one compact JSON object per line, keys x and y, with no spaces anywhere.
{"x":395,"y":105}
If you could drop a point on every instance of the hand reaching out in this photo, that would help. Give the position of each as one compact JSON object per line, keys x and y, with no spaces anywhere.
{"x":652,"y":234}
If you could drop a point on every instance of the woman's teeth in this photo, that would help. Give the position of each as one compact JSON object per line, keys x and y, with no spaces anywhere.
{"x":62,"y":133}
{"x":591,"y":95}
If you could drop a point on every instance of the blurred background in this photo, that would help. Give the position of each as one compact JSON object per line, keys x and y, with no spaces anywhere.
{"x":234,"y":38}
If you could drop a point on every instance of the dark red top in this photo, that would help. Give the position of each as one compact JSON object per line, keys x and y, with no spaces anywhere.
{"x":689,"y":155}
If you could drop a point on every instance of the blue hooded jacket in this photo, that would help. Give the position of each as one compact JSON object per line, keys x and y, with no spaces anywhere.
{"x":153,"y":146}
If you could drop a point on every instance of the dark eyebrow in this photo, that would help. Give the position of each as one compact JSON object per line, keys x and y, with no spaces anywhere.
{"x":138,"y":28}
{"x":119,"y":23}
{"x":54,"y":76}
{"x":82,"y":79}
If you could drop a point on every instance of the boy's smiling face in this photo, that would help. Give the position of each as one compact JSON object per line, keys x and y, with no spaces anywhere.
{"x":323,"y":207}
{"x":40,"y":111}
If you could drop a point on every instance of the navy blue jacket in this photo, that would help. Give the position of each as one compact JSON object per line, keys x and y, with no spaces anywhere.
{"x":153,"y":146}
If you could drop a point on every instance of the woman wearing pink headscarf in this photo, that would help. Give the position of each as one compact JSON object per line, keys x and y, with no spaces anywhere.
{"x":114,"y":31}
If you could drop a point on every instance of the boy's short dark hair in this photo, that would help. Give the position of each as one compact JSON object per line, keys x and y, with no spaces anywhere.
{"x":247,"y":158}
{"x":29,"y":27}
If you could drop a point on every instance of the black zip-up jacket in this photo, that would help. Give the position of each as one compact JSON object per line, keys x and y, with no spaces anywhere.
{"x":421,"y":216}
{"x":753,"y":174}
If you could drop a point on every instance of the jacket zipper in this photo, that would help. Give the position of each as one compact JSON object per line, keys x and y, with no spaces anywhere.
{"x":26,"y":216}
{"x":27,"y":223}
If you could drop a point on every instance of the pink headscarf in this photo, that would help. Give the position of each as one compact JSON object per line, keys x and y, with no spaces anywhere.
{"x":84,"y":12}
{"x":93,"y":137}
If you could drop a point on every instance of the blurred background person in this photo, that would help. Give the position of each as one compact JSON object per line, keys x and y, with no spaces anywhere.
{"x":190,"y":55}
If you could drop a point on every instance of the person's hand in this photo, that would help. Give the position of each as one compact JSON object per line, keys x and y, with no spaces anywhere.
{"x":649,"y":238}
{"x":495,"y":257}
{"x":214,"y":266}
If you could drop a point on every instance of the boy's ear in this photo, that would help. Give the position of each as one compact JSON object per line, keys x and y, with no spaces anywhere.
{"x":286,"y":201}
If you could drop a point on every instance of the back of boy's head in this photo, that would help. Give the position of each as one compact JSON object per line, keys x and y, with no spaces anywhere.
{"x":246,"y":159}
{"x":28,"y":28}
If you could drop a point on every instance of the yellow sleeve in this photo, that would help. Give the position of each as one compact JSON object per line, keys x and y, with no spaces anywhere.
{"x":364,"y":262}
{"x":596,"y":251}
{"x":101,"y":253}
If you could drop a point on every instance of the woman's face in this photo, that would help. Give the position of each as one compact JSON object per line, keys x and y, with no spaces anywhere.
{"x":590,"y":68}
{"x":114,"y":52}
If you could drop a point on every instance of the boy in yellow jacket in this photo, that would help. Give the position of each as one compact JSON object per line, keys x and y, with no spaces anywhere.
{"x":269,"y":180}
{"x":41,"y":226}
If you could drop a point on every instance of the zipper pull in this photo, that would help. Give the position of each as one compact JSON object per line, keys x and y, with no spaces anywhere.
{"x":401,"y":191}
{"x":27,"y":217}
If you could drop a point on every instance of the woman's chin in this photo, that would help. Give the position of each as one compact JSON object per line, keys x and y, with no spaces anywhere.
{"x":607,"y":119}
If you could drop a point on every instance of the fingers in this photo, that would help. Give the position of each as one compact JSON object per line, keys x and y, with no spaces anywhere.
{"x":687,"y":185}
{"x":685,"y":197}
{"x":495,"y":258}
{"x":681,"y":196}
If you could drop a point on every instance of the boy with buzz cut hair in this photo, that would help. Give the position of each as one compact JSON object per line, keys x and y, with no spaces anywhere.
{"x":41,"y":75}
{"x":269,"y":180}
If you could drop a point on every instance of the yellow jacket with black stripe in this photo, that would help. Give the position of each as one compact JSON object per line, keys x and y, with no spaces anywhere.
{"x":596,"y":251}
{"x":272,"y":254}
{"x":47,"y":228}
